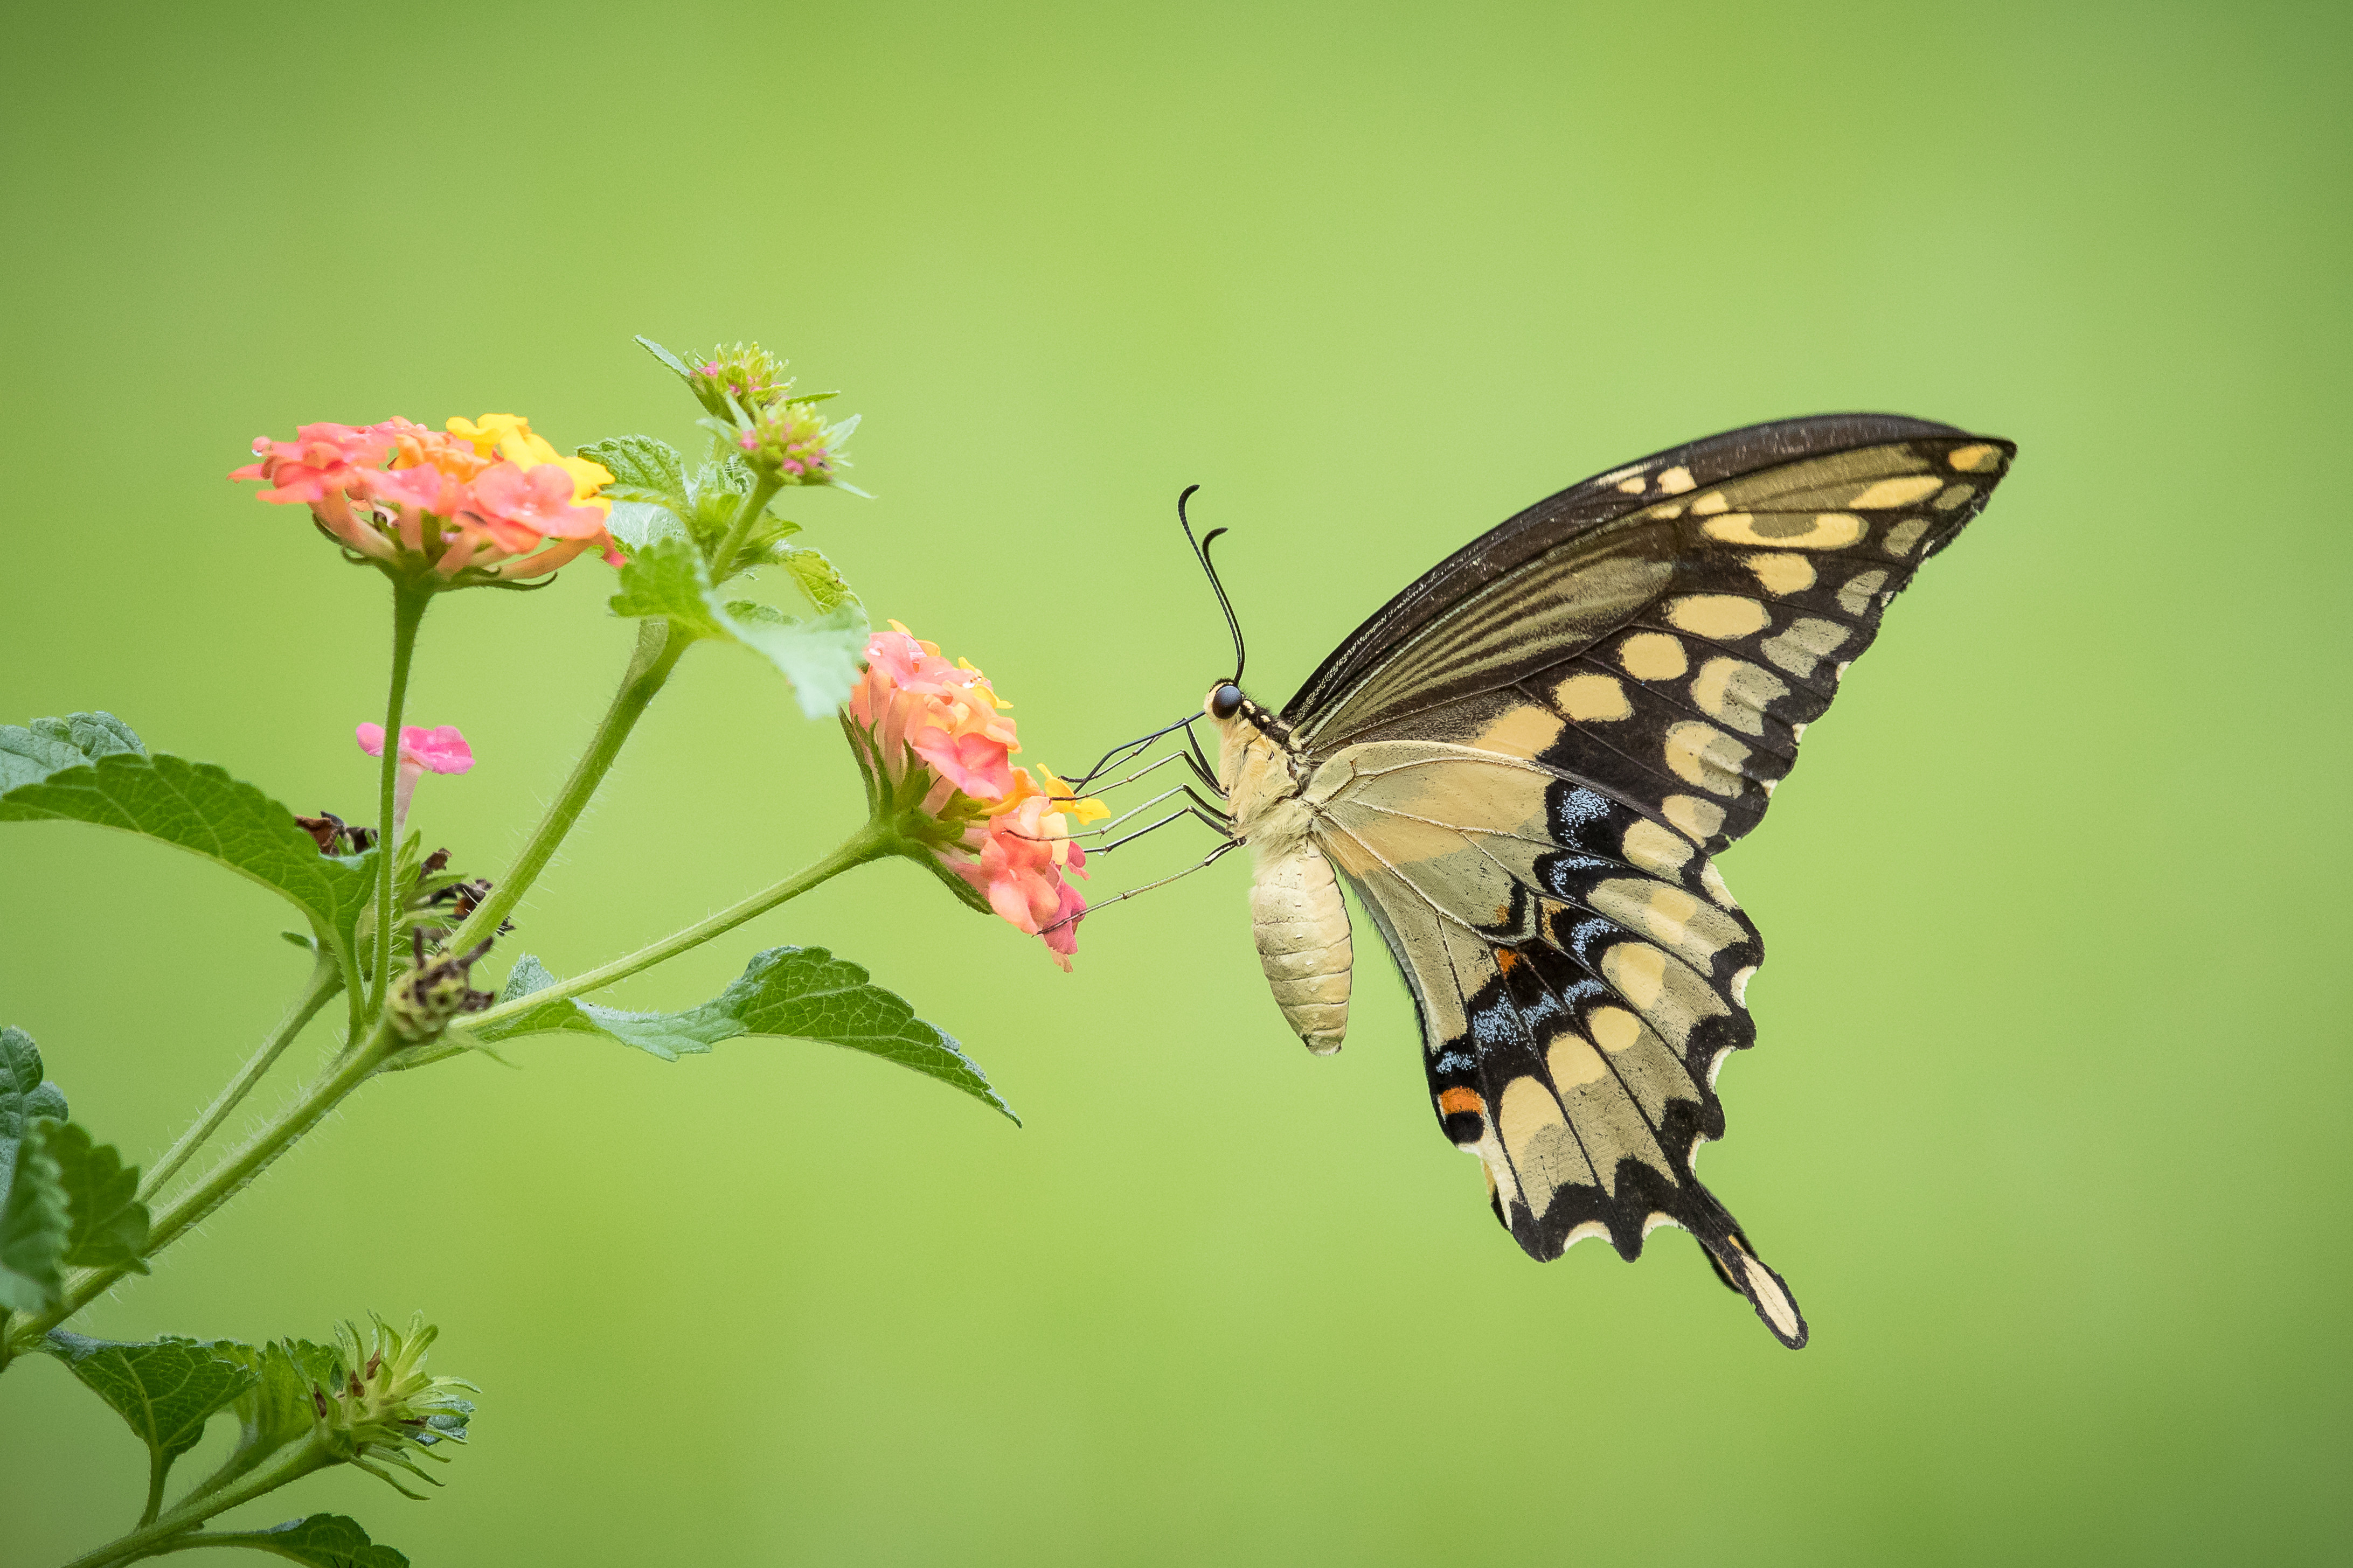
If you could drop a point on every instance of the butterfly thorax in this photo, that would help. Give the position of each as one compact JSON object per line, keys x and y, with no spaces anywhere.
{"x":1297,"y":916}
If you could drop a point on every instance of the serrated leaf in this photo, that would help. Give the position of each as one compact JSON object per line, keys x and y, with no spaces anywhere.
{"x":822,"y":657}
{"x":323,"y":1539}
{"x":23,"y":1094}
{"x":795,"y":993}
{"x":109,"y":1223}
{"x":817,"y":578}
{"x":166,"y":1389}
{"x":90,"y":768}
{"x":637,"y":524}
{"x":36,"y":1223}
{"x":643,"y":469}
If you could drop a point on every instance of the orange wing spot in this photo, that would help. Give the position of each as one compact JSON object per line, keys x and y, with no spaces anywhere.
{"x":1507,"y":960}
{"x":1458,"y":1099}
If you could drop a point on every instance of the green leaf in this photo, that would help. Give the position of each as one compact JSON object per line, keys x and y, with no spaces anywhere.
{"x":795,"y":993}
{"x":35,"y":1224}
{"x":323,"y":1539}
{"x":636,"y":524}
{"x":822,"y":657}
{"x":109,"y":1223}
{"x":643,"y":469}
{"x":166,"y":1389}
{"x":664,"y":355}
{"x":23,"y":1094}
{"x":817,"y":578}
{"x":90,"y":768}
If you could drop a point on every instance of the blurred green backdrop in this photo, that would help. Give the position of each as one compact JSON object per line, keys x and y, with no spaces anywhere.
{"x":2047,"y":1122}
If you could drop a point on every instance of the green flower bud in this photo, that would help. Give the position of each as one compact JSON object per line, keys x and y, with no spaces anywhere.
{"x":381,"y":1410}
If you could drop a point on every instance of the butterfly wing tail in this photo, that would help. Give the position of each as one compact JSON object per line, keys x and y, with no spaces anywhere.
{"x":1737,"y":1264}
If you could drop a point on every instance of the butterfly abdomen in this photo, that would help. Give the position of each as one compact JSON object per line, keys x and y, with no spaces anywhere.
{"x":1302,"y":928}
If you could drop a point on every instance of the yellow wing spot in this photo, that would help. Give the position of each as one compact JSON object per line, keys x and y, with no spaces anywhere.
{"x":1739,"y":987}
{"x":1653,"y":656}
{"x":1975,"y":459}
{"x":1783,"y":573}
{"x":1675,"y":482}
{"x":1823,"y":531}
{"x":1614,"y":1028}
{"x":1954,"y":495}
{"x":1574,"y":1062}
{"x":1651,"y":848}
{"x":1804,"y":646}
{"x":1637,"y":972}
{"x":1632,"y":487}
{"x":1699,"y":818}
{"x":1718,"y":615}
{"x":1713,"y":881}
{"x":1596,"y":697}
{"x":1520,"y":731}
{"x":1901,"y":492}
{"x":1855,"y":597}
{"x":1664,"y":513}
{"x":1710,"y":504}
{"x":1904,"y":536}
{"x":1704,"y":755}
{"x":1536,"y":1136}
{"x":1737,"y":692}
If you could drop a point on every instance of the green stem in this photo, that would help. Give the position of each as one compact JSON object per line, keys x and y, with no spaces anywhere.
{"x":158,"y":1467}
{"x":658,"y":653}
{"x":157,"y":1537}
{"x":408,"y":604}
{"x":326,"y":979}
{"x":225,"y":1180}
{"x":871,"y":842}
{"x":722,"y":560}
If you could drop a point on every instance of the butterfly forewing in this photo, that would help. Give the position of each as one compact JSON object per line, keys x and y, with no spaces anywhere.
{"x":1524,"y":763}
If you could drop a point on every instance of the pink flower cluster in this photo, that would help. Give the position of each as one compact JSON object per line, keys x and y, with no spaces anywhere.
{"x":484,"y":497}
{"x":941,"y":727}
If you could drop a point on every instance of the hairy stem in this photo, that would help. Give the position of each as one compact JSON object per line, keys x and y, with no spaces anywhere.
{"x":871,"y":842}
{"x":408,"y":604}
{"x":722,"y":560}
{"x":326,"y":979}
{"x":158,"y":1467}
{"x":224,"y":1180}
{"x":658,"y":653}
{"x":155,"y":1537}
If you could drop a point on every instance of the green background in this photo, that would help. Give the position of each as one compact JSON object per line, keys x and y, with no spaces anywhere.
{"x":2047,"y":1123}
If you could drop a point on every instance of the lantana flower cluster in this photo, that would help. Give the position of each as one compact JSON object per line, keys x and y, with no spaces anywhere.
{"x":777,"y":433}
{"x":486,"y":501}
{"x":934,"y":736}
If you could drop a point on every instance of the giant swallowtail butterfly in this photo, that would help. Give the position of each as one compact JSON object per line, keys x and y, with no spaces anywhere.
{"x":1524,"y":764}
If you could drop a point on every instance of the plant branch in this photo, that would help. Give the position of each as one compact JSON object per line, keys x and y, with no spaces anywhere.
{"x":225,"y":1180}
{"x":871,"y":842}
{"x":722,"y":560}
{"x":408,"y":605}
{"x":157,"y":1536}
{"x":326,"y":979}
{"x":658,"y":653}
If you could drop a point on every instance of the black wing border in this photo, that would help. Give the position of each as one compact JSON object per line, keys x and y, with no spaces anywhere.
{"x":1584,"y":507}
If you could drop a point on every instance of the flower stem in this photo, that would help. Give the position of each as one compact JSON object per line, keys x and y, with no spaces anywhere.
{"x":408,"y":604}
{"x":151,"y":1539}
{"x":224,"y":1180}
{"x":722,"y":560}
{"x":657,"y":652}
{"x":326,"y":979}
{"x":871,"y":842}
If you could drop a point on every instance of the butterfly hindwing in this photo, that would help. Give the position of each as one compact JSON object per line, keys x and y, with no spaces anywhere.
{"x":1577,"y":970}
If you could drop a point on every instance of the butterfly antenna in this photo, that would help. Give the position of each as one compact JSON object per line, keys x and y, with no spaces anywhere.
{"x":1201,"y":553}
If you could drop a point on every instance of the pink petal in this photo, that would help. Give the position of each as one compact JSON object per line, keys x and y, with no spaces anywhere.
{"x":371,"y":737}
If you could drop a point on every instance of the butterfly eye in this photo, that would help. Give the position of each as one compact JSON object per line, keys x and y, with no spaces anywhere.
{"x":1226,"y":701}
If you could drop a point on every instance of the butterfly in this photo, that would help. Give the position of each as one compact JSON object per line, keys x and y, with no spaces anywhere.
{"x":1524,"y":764}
